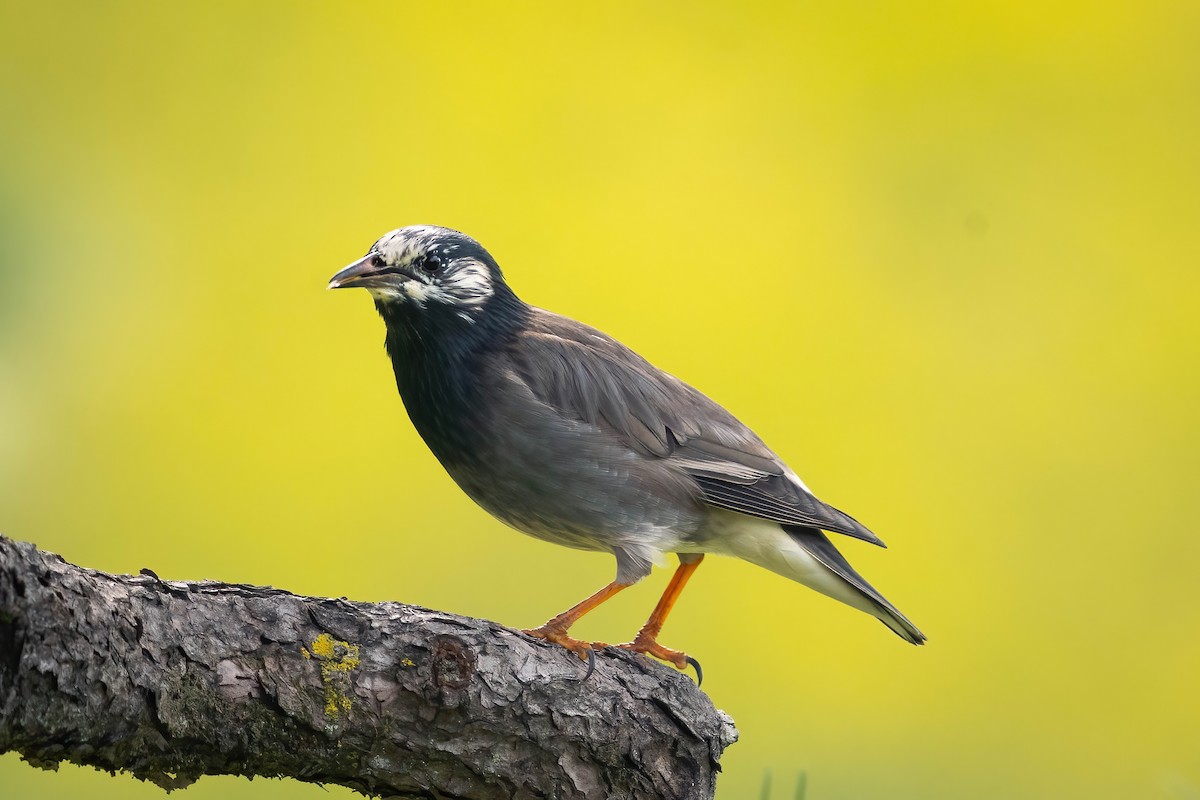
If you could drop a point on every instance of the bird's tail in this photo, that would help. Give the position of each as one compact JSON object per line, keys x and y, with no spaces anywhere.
{"x":817,"y":545}
{"x":806,"y":555}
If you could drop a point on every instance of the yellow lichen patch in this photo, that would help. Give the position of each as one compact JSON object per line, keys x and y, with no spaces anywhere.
{"x":337,"y":660}
{"x":408,"y":662}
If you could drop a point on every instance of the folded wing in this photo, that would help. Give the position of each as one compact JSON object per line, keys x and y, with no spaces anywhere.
{"x":589,"y":376}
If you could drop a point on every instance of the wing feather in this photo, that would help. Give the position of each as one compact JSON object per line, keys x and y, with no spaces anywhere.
{"x":592,"y":377}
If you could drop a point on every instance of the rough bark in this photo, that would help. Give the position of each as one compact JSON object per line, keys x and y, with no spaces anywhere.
{"x":171,"y":680}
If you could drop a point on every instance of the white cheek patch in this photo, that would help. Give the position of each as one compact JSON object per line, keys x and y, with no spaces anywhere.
{"x":385,"y":294}
{"x":410,"y":292}
{"x":418,"y":292}
{"x":467,"y":286}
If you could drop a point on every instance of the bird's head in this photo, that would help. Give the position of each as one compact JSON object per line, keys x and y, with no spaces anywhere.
{"x":427,"y":273}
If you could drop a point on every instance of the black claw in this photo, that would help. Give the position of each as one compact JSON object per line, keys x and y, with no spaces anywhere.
{"x":591,"y":665}
{"x":699,"y":672}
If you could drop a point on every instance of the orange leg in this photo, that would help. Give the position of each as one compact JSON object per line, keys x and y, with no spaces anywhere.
{"x":646,"y":640}
{"x":556,"y":629}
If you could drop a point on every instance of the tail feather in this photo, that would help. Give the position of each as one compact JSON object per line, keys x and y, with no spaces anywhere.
{"x":817,"y":544}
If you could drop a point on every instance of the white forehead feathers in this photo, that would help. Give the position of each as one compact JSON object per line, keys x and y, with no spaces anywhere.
{"x":399,"y":247}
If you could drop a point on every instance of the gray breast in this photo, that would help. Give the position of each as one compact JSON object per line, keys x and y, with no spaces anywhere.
{"x":570,"y":482}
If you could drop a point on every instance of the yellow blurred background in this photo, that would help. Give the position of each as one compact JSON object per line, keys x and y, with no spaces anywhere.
{"x":943,"y":257}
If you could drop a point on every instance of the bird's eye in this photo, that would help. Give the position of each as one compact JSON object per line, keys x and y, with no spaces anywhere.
{"x":431,"y":264}
{"x":377,"y":261}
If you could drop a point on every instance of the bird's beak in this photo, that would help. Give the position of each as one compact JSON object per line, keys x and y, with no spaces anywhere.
{"x":365,"y":274}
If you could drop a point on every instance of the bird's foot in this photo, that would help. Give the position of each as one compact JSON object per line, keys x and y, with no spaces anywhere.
{"x":678,"y":659}
{"x":557,"y":635}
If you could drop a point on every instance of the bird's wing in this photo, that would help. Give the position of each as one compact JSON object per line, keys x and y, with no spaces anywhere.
{"x":589,"y":376}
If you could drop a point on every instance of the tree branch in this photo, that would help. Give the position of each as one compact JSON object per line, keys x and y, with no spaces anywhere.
{"x":171,"y":680}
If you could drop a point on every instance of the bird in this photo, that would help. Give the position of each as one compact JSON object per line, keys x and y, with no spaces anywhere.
{"x":565,"y":434}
